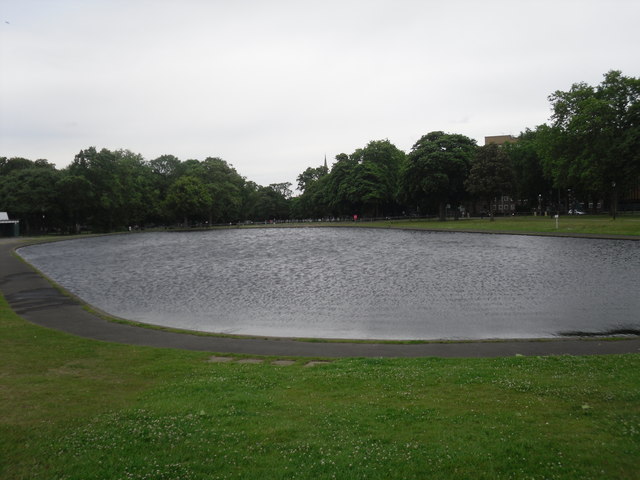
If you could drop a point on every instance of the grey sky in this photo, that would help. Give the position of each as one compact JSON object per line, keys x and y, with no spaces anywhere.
{"x":273,"y":86}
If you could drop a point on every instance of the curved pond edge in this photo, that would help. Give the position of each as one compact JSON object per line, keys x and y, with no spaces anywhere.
{"x":39,"y":300}
{"x":384,"y":226}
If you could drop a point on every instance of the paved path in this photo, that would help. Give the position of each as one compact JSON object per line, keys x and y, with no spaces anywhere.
{"x":34,"y":299}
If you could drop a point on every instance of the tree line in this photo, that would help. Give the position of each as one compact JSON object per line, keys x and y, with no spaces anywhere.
{"x":112,"y":190}
{"x":588,"y":153}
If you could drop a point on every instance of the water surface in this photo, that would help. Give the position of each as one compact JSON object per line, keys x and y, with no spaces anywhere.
{"x":354,"y":283}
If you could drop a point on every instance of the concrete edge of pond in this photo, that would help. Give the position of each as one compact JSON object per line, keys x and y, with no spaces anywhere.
{"x":34,"y":298}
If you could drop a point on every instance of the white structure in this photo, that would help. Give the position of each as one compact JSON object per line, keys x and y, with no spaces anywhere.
{"x":9,"y":228}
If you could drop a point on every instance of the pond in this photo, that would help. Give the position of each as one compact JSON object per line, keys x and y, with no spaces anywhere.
{"x":354,"y":283}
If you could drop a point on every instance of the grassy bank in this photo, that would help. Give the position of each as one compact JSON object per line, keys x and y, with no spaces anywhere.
{"x":81,"y":409}
{"x":579,"y":224}
{"x":628,"y":225}
{"x":624,"y":225}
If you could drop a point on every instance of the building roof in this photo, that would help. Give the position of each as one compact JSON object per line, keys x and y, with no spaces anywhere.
{"x":499,"y":139}
{"x":4,"y":218}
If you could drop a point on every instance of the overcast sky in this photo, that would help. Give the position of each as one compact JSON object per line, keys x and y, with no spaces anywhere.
{"x":274,"y":86}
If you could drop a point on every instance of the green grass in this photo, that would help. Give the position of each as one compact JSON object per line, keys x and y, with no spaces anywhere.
{"x":582,"y":224}
{"x":628,"y":225}
{"x":80,"y":409}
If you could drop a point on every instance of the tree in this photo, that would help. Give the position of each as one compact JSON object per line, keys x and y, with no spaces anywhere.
{"x":136,"y":186}
{"x":15,"y":163}
{"x":435,"y":170}
{"x":123,"y":191}
{"x":314,"y":202}
{"x":283,"y":189}
{"x":365,"y":183}
{"x":164,"y":170}
{"x":100,"y":170}
{"x":278,"y":198}
{"x":28,"y":192}
{"x":249,"y":200}
{"x":490,"y":175}
{"x":271,"y":203}
{"x":311,"y":175}
{"x":593,"y":142}
{"x":376,"y":176}
{"x":188,"y":197}
{"x":75,"y":195}
{"x":165,"y":165}
{"x":225,"y":187}
{"x":531,"y":186}
{"x":342,"y":196}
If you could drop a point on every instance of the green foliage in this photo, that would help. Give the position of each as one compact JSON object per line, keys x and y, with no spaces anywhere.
{"x":376,"y":176}
{"x":529,"y":179}
{"x":272,"y":202}
{"x":75,"y":195}
{"x":314,"y":202}
{"x":491,"y":174}
{"x":223,"y":184}
{"x":593,"y":142}
{"x":27,"y":190}
{"x":435,"y":170}
{"x":363,"y":183}
{"x":100,"y":169}
{"x":139,"y":199}
{"x":340,"y":187}
{"x":310,"y":176}
{"x":8,"y":165}
{"x":111,"y":190}
{"x":188,"y":197}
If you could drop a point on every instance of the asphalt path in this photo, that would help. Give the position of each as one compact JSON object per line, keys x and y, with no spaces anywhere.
{"x":34,"y":298}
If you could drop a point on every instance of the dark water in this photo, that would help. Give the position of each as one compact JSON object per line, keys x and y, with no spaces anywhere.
{"x":354,"y":283}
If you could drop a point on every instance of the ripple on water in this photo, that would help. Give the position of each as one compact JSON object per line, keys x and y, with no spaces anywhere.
{"x":353,"y":283}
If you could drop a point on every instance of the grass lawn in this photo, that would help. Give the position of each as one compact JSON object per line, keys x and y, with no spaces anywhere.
{"x":628,"y":225}
{"x":567,"y":224}
{"x":81,"y":409}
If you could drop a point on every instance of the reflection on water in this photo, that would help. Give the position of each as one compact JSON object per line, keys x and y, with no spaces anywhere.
{"x":353,"y":283}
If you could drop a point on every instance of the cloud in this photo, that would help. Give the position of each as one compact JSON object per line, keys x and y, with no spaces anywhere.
{"x":273,"y":86}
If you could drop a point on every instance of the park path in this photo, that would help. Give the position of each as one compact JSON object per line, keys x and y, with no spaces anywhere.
{"x":32,"y":297}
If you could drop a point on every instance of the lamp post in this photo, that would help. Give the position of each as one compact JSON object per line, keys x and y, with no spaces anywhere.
{"x":540,"y":204}
{"x":614,"y":199}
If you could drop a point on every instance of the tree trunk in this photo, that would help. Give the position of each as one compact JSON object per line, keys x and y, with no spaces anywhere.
{"x":442,"y":212}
